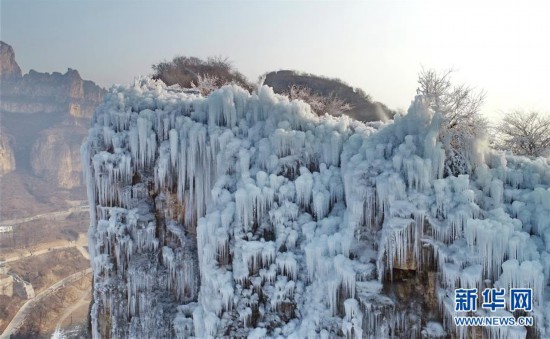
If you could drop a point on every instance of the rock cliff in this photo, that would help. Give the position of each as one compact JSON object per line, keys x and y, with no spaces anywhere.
{"x":55,"y":156}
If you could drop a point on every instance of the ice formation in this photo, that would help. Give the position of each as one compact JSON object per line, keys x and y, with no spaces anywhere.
{"x":243,"y":214}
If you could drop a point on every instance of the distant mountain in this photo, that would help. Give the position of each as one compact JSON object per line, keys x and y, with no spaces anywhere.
{"x":363,"y":107}
{"x":37,"y":92}
{"x":43,"y":120}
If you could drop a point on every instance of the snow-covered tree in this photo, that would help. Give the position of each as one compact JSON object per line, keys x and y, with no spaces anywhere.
{"x":207,"y":83}
{"x":524,"y":133}
{"x":463,"y":123}
{"x":331,"y":104}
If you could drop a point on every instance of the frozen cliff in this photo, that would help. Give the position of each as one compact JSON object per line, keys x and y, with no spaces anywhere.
{"x":246,"y":215}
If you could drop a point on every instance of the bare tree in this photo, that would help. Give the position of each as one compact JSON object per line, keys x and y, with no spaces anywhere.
{"x":459,"y":105}
{"x":296,"y":92}
{"x":524,"y":133}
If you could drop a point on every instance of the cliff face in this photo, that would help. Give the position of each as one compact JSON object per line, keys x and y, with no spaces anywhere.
{"x":45,"y":114}
{"x":246,"y":215}
{"x":56,"y":156}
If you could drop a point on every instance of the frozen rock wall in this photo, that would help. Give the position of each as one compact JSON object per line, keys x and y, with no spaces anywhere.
{"x":244,"y":214}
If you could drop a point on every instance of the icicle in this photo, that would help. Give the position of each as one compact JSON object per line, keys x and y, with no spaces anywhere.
{"x":332,"y":286}
{"x":174,"y":147}
{"x":527,"y":275}
{"x":304,"y":186}
{"x":256,"y":253}
{"x":352,"y":324}
{"x":346,"y":274}
{"x":490,"y":239}
{"x":144,"y":126}
{"x":287,"y":265}
{"x":321,"y":203}
{"x":497,"y":190}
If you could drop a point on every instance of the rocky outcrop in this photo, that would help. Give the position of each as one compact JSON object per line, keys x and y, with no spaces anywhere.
{"x":7,"y":159}
{"x":9,"y":69}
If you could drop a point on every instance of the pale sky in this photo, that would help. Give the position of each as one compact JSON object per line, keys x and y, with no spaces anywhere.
{"x":502,"y":47}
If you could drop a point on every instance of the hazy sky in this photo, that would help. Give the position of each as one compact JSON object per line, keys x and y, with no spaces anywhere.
{"x":502,"y":47}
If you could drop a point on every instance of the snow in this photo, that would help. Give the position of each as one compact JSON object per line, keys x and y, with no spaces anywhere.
{"x":247,"y":215}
